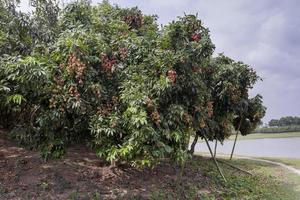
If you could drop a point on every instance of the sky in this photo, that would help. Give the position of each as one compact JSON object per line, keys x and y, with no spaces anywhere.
{"x":264,"y":34}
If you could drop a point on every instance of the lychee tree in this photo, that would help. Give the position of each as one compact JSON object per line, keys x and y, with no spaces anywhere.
{"x":161,"y":90}
{"x":110,"y":77}
{"x":231,"y":107}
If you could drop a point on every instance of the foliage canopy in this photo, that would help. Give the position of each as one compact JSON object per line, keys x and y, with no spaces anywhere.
{"x":109,"y":76}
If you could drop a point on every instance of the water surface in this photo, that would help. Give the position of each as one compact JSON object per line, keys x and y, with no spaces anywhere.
{"x":268,"y":147}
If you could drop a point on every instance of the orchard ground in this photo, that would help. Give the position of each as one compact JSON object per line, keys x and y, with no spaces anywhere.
{"x":82,"y":175}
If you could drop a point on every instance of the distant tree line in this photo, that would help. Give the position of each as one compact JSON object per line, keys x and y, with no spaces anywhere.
{"x":282,"y":125}
{"x":284,"y":121}
{"x":278,"y":129}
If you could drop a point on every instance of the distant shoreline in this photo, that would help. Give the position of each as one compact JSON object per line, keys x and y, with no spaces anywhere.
{"x":266,"y":135}
{"x":254,"y":136}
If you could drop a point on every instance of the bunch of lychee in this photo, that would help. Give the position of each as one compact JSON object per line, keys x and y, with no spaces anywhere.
{"x":210,"y":110}
{"x":76,"y":66}
{"x":196,"y":37}
{"x":107,"y":63}
{"x":123,"y":52}
{"x":172,"y":76}
{"x":74,"y":92}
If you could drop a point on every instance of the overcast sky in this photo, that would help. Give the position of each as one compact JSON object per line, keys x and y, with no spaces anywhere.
{"x":264,"y":34}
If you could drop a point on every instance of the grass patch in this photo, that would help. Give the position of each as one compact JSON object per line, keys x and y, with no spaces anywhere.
{"x":288,"y":180}
{"x":266,"y":135}
{"x":288,"y":161}
{"x":267,"y":182}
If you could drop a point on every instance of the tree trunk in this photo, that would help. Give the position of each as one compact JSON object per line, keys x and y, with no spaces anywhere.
{"x":180,"y":174}
{"x":192,"y":149}
{"x":112,"y":164}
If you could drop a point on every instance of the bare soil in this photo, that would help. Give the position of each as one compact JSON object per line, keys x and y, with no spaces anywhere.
{"x":80,"y":174}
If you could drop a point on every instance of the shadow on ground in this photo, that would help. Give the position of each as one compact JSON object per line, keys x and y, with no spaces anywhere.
{"x":80,"y":175}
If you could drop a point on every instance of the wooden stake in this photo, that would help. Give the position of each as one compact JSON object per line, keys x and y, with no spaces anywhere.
{"x":215,"y":152}
{"x":235,"y":167}
{"x":215,"y":161}
{"x":236,"y":135}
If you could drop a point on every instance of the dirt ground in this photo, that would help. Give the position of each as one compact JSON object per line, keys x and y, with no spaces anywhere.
{"x":80,"y":175}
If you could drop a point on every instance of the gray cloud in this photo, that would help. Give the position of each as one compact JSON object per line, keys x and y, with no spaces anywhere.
{"x":264,"y":34}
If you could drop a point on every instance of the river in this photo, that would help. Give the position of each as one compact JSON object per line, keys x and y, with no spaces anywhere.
{"x":269,"y":147}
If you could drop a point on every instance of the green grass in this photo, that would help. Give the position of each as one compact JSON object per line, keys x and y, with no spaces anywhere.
{"x":268,"y":182}
{"x":277,"y":173}
{"x":288,"y":161}
{"x":266,"y":135}
{"x":293,"y":162}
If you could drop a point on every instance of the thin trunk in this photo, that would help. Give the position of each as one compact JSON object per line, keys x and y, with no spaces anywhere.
{"x":215,"y":152}
{"x":113,"y":164}
{"x":179,"y":179}
{"x":180,"y":173}
{"x":236,"y":136}
{"x":192,"y":149}
{"x":214,"y":159}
